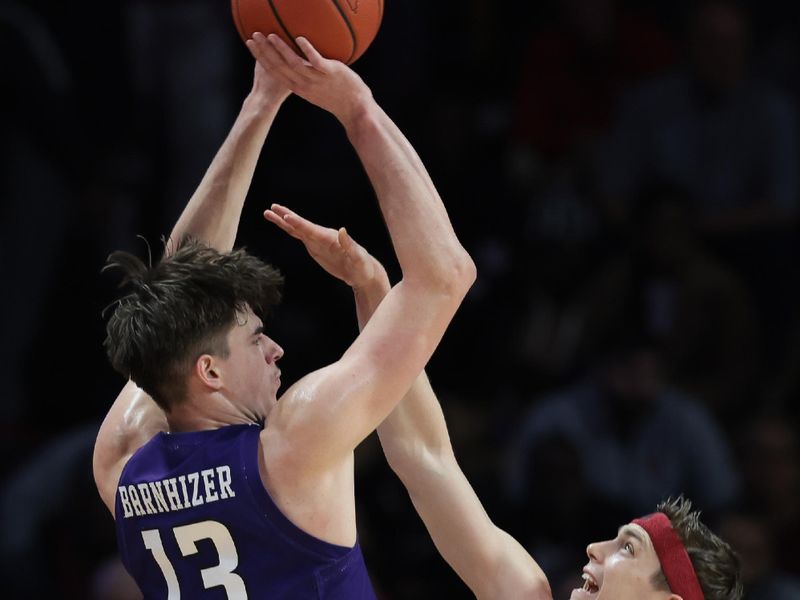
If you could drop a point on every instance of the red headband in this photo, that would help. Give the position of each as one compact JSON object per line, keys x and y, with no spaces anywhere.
{"x":672,"y":555}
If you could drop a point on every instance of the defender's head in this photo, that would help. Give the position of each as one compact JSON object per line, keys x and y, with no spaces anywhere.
{"x":669,"y":555}
{"x":195,"y":319}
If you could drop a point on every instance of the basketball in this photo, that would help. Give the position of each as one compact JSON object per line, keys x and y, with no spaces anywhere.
{"x":338,"y":29}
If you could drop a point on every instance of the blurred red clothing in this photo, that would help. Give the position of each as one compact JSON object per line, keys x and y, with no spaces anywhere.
{"x":568,"y":87}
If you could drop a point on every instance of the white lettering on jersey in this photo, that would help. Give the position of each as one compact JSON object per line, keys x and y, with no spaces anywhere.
{"x":194,"y":478}
{"x":182,"y":479}
{"x":153,"y":497}
{"x":158,"y":495}
{"x":144,"y":493}
{"x":224,"y":475}
{"x":126,"y":505}
{"x":137,"y":505}
{"x":208,"y":484}
{"x":171,"y":487}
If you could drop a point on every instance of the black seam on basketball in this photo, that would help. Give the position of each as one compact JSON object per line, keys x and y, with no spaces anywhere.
{"x":349,"y":28}
{"x":285,"y":29}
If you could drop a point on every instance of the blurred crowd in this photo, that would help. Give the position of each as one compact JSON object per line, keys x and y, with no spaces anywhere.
{"x":625,"y":175}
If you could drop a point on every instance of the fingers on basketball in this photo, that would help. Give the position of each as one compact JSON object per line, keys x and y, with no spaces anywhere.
{"x":339,"y":29}
{"x":287,"y":54}
{"x":314,"y":58}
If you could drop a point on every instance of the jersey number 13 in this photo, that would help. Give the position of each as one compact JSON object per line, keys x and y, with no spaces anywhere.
{"x":187,"y":536}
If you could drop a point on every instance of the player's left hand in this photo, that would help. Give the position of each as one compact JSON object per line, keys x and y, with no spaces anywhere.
{"x":335,"y":251}
{"x":268,"y":87}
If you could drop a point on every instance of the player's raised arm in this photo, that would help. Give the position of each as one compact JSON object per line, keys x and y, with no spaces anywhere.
{"x":329,"y":412}
{"x":213,"y":212}
{"x":211,"y":215}
{"x":417,"y":445}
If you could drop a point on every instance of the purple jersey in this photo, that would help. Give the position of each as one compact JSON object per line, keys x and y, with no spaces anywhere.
{"x":195,"y":522}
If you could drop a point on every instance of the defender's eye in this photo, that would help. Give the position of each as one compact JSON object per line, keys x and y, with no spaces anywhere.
{"x":629,"y":547}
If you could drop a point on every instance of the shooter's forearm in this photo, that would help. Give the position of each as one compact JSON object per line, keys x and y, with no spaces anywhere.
{"x":424,"y":241}
{"x":214,"y":210}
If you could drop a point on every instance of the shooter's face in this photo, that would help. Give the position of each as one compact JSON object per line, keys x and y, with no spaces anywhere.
{"x":250,"y":372}
{"x":621,"y":568}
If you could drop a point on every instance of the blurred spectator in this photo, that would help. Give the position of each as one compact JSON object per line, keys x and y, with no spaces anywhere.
{"x":639,"y":439}
{"x":711,"y":127}
{"x":717,"y":129}
{"x":572,"y":72}
{"x":693,"y":306}
{"x":558,"y":256}
{"x":751,"y":539}
{"x":183,"y":83}
{"x":112,"y":582}
{"x":770,"y":457}
{"x":783,"y":390}
{"x":561,"y":512}
{"x":36,"y":185}
{"x":663,"y":280}
{"x":571,"y":76}
{"x":777,"y":24}
{"x":55,"y":529}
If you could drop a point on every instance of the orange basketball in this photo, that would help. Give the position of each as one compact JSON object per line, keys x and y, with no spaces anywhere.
{"x":339,"y":29}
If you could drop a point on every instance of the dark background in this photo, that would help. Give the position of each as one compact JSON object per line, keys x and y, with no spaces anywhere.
{"x":623,"y":173}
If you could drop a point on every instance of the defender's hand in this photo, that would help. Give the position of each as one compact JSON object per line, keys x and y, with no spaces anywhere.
{"x":335,"y":251}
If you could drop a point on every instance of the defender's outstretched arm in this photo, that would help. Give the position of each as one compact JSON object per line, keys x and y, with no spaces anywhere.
{"x":417,"y":445}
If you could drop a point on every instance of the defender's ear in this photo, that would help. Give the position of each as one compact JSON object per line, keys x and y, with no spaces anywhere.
{"x":208,"y":372}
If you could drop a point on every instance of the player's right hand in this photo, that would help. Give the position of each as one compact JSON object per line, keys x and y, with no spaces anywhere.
{"x":329,"y":84}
